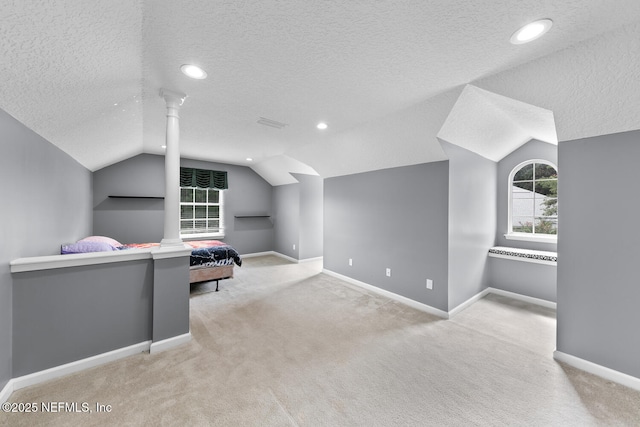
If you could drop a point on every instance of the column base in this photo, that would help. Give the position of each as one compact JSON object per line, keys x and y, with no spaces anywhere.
{"x":171,"y":242}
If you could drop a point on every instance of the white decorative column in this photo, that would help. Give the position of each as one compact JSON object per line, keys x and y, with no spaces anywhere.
{"x":172,"y":170}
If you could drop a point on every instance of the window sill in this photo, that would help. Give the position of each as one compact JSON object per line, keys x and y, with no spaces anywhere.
{"x":532,"y":237}
{"x":202,"y":236}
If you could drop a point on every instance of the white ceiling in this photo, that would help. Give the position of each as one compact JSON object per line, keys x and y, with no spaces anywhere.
{"x":494,"y":125}
{"x":384,"y":75}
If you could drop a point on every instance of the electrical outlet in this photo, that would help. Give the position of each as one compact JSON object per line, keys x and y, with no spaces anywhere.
{"x":294,"y":246}
{"x":350,"y":262}
{"x":429,"y":284}
{"x":388,"y":272}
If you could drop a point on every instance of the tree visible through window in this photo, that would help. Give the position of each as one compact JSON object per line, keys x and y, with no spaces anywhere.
{"x":200,"y":211}
{"x":534,"y":198}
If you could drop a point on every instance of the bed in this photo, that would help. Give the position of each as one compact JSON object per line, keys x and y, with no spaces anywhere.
{"x":210,"y":259}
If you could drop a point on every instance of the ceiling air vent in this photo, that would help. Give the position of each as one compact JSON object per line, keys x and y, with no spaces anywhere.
{"x":271,"y":123}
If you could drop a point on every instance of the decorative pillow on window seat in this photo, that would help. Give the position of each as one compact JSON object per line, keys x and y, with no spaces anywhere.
{"x":102,"y":239}
{"x":82,"y":247}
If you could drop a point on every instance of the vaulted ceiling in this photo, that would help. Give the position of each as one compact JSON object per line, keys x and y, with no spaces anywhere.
{"x":389,"y":78}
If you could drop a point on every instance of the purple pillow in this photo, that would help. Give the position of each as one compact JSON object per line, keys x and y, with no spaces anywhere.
{"x":82,"y":247}
{"x":102,"y":239}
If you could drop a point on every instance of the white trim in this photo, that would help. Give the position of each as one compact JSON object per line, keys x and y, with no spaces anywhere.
{"x":483,"y":293}
{"x":283,"y":256}
{"x":510,"y":234}
{"x":257,"y":254}
{"x":78,"y":365}
{"x":404,"y":300}
{"x":196,"y":237}
{"x":5,"y":393}
{"x":530,"y":237}
{"x":178,"y":251}
{"x":495,"y":291}
{"x":524,"y":298}
{"x":201,"y":235}
{"x":318,"y":258}
{"x":162,"y":345}
{"x":221,"y":224}
{"x":297,"y":261}
{"x":77,"y":260}
{"x":599,"y":370}
{"x":437,"y":312}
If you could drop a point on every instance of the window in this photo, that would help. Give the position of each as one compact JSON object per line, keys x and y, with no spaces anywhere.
{"x":533,"y":201}
{"x":201,"y":212}
{"x":201,"y":202}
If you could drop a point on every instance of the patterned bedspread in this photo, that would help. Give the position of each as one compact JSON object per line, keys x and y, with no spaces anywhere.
{"x":205,"y":253}
{"x":212,"y":253}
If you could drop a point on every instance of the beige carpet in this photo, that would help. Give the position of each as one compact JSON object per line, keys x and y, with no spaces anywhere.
{"x":283,"y":345}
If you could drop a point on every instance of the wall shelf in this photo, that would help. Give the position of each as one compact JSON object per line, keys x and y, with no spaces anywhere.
{"x":252,"y":216}
{"x":137,"y":197}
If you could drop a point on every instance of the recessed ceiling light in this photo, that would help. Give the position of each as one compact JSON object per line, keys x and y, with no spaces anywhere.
{"x":531,"y":31}
{"x":322,"y":126}
{"x":193,"y":71}
{"x":163,"y":146}
{"x":249,"y":159}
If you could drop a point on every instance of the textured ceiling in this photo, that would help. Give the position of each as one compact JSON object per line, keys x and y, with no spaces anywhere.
{"x":383,"y":74}
{"x":493,"y":125}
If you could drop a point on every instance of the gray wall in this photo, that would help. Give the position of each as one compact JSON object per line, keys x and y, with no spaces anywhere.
{"x":298,"y":217}
{"x":68,"y":314}
{"x":524,"y":278}
{"x":534,"y":280}
{"x":46,"y":198}
{"x":130,"y":220}
{"x":533,"y":149}
{"x":170,"y":297}
{"x":286,"y":219}
{"x":311,"y":216}
{"x":393,"y":218}
{"x":598,"y":255}
{"x":140,"y":220}
{"x":472,"y":221}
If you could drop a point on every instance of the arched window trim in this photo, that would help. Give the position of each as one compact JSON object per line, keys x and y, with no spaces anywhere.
{"x":531,"y":237}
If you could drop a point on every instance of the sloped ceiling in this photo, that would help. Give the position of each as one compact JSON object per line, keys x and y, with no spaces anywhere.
{"x":278,"y":170}
{"x":383,"y":74}
{"x":493,"y":126}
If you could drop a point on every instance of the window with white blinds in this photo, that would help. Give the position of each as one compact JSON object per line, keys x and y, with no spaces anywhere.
{"x":201,"y":212}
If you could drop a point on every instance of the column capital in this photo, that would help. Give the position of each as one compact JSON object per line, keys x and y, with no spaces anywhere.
{"x":172,"y":98}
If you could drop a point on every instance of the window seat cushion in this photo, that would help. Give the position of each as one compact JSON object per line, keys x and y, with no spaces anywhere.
{"x":527,"y":255}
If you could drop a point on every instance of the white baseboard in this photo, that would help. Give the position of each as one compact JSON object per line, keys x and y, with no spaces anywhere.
{"x":599,"y":370}
{"x":159,"y":346}
{"x":297,"y":261}
{"x":437,"y":312}
{"x":6,"y":392}
{"x":273,"y":253}
{"x":90,"y":362}
{"x":404,"y":300}
{"x":319,"y":258}
{"x":78,"y":365}
{"x":283,"y":256}
{"x":525,"y":298}
{"x":469,"y":302}
{"x":255,"y":254}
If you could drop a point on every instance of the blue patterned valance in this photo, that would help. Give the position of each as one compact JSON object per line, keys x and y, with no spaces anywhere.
{"x":203,"y":178}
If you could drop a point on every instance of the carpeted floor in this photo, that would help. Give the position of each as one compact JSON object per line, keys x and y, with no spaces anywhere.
{"x":284,"y":345}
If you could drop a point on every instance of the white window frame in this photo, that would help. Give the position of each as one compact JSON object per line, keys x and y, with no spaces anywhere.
{"x":529,"y":237}
{"x":215,"y":234}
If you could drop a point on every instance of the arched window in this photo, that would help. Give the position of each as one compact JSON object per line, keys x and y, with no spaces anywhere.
{"x":533,"y":200}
